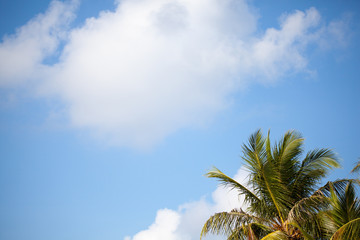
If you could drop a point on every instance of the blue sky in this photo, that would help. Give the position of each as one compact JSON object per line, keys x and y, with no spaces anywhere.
{"x":111,"y":112}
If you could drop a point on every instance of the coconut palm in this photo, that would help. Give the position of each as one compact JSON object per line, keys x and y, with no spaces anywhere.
{"x":280,"y":193}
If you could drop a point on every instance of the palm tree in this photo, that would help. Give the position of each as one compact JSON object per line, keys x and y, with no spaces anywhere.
{"x":280,"y":194}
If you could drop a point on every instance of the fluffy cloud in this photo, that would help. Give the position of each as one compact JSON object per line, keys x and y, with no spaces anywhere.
{"x":134,"y":75}
{"x":22,"y":54}
{"x":186,"y":222}
{"x":139,"y":73}
{"x":281,"y":50}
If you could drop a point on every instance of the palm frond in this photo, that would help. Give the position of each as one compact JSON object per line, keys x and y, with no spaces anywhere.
{"x":350,"y":230}
{"x":338,"y":186}
{"x":233,"y":184}
{"x":307,"y":208}
{"x":254,"y":152}
{"x":275,"y":191}
{"x":227,"y":222}
{"x":344,"y":213}
{"x":286,"y":153}
{"x":345,"y":205}
{"x":315,"y":166}
{"x":304,"y":215}
{"x":264,"y":177}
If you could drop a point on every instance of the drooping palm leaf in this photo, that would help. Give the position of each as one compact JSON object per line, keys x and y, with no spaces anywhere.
{"x":227,"y":222}
{"x":232,"y":184}
{"x":304,"y":216}
{"x":307,"y":208}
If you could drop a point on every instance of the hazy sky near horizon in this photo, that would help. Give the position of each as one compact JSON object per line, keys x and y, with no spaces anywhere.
{"x":112,"y":111}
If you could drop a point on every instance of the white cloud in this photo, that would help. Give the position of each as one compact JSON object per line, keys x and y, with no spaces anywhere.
{"x":163,"y":228}
{"x":135,"y":75}
{"x":281,"y":50}
{"x":21,"y":54}
{"x":139,"y":73}
{"x":186,"y":222}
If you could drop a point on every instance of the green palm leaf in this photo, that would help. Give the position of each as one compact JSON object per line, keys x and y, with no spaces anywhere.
{"x":233,"y":184}
{"x":350,"y":231}
{"x":314,"y":167}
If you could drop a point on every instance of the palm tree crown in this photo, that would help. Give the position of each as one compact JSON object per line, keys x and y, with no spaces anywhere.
{"x":282,"y":184}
